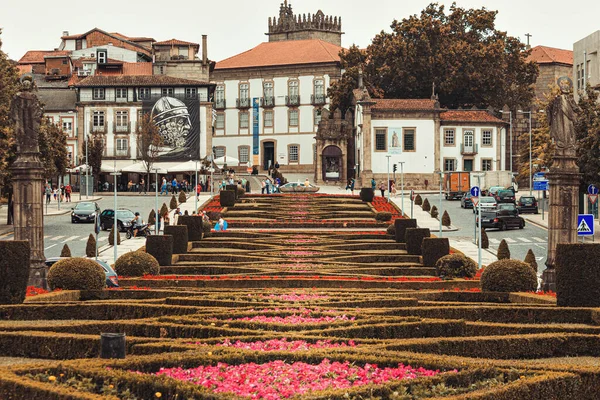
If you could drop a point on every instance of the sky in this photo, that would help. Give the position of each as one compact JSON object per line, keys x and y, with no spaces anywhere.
{"x":234,"y":26}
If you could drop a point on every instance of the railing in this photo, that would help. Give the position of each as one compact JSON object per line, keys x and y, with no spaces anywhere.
{"x":84,"y":72}
{"x":293,"y":100}
{"x":121,"y":152}
{"x":242,"y":103}
{"x":97,"y":128}
{"x":267,"y":101}
{"x":464,"y":150}
{"x":220,"y":104}
{"x":122,"y":128}
{"x":318,"y":99}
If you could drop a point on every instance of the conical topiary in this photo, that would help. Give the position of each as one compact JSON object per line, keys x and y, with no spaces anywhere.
{"x":418,"y":200}
{"x":66,"y":251}
{"x":446,"y":219}
{"x":152,"y":217}
{"x":503,"y":251}
{"x":173,"y":203}
{"x":111,"y":236}
{"x":485,"y":242}
{"x":426,"y":206}
{"x":434,"y":212}
{"x":164,"y":210}
{"x":530,"y":259}
{"x":182,"y":197}
{"x":90,"y":247}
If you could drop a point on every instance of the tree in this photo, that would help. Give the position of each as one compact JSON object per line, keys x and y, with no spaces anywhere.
{"x":149,"y":143}
{"x":503,"y":251}
{"x":470,"y":62}
{"x":152,"y":217}
{"x":53,"y":149}
{"x":164,"y":210}
{"x":587,"y":130}
{"x":485,"y":241}
{"x":95,"y":152}
{"x":66,"y":251}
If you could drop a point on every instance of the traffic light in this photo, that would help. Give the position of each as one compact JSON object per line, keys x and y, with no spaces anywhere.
{"x":395,"y":167}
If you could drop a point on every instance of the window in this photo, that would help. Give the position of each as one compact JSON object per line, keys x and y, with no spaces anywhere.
{"x":183,"y":51}
{"x":409,"y":139}
{"x":268,"y":89}
{"x":220,"y":96}
{"x":449,"y":164}
{"x":293,"y":89}
{"x":318,"y":112}
{"x":319,"y":91}
{"x":144,"y":93}
{"x":219,"y":152}
{"x":101,"y":57}
{"x":293,"y":115}
{"x":380,"y":139}
{"x":486,"y":165}
{"x":220,"y":121}
{"x":67,"y":127}
{"x":122,"y":144}
{"x":486,"y":137}
{"x":244,"y":120}
{"x":121,"y":93}
{"x":293,"y":151}
{"x":64,"y":62}
{"x":167,"y":91}
{"x":122,"y":121}
{"x":268,"y":118}
{"x":191,"y":93}
{"x":98,"y":93}
{"x":244,"y":90}
{"x":244,"y":154}
{"x":98,"y":118}
{"x":449,"y":137}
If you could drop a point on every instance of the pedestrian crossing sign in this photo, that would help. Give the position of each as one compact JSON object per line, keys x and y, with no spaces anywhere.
{"x":585,"y":225}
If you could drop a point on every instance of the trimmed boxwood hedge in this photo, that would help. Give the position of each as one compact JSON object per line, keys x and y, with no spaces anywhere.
{"x":509,"y":276}
{"x":137,"y":263}
{"x":233,"y":188}
{"x":455,"y":266}
{"x":194,"y":226}
{"x":180,"y":237}
{"x":227,"y":198}
{"x":161,"y":248}
{"x":577,"y":275}
{"x":414,"y":239}
{"x":367,"y":194}
{"x":402,"y":225}
{"x":14,"y":270}
{"x":76,"y":274}
{"x":433,"y":249}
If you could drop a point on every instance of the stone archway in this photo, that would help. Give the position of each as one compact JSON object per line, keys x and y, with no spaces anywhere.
{"x":332,"y":159}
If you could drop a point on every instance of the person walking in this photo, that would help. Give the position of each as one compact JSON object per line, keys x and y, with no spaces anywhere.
{"x":68,"y":191}
{"x":174,"y":186}
{"x":142,"y":187}
{"x":373,"y":184}
{"x":393,"y":189}
{"x":62,"y":193}
{"x":350,"y":185}
{"x":382,"y":188}
{"x":163,"y":188}
{"x":263,"y":186}
{"x":48,"y":193}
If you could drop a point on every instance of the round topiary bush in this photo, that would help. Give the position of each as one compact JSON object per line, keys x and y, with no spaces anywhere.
{"x":206,"y":228}
{"x":456,"y":266}
{"x":426,"y":206}
{"x":434,"y":212}
{"x":391,"y":230}
{"x":383,"y":216}
{"x":418,"y":200}
{"x":136,"y":263}
{"x":76,"y":273}
{"x":508,"y":276}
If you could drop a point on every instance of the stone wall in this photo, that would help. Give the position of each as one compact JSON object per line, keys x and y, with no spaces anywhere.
{"x":549,"y":73}
{"x":331,"y":37}
{"x":193,"y":70}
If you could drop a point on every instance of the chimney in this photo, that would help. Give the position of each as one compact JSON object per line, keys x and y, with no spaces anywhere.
{"x":360,"y":79}
{"x":65,"y":33}
{"x":204,"y":51}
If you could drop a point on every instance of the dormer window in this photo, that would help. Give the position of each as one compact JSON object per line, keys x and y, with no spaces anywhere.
{"x":102,"y":56}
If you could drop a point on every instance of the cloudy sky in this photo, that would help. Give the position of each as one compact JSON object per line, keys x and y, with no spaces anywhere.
{"x":234,"y":26}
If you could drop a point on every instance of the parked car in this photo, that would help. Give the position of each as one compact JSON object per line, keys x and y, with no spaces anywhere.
{"x":505,"y":196}
{"x":486,"y":203}
{"x":465,"y":201}
{"x":85,"y":212}
{"x":124,"y":217}
{"x":527,"y":204}
{"x":501,"y":219}
{"x":511,"y":207}
{"x":494,"y":189}
{"x":112,"y":280}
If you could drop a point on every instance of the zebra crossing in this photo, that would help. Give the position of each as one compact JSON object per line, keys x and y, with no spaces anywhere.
{"x":60,"y":239}
{"x":520,"y":240}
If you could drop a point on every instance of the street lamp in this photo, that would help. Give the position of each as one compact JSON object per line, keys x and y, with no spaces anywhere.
{"x":115,"y":224}
{"x":511,"y":140}
{"x":196,"y":190}
{"x":440,"y":209}
{"x":157,"y":214}
{"x":87,"y":173}
{"x":530,"y":164}
{"x":402,"y":184}
{"x":388,"y":178}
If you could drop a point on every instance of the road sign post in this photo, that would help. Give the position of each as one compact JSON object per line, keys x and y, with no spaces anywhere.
{"x":585,"y":225}
{"x":475,"y":193}
{"x":412,"y":202}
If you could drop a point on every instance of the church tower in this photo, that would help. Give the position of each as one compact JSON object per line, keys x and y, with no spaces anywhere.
{"x":302,"y":26}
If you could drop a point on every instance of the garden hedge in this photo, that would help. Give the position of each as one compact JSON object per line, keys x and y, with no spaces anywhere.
{"x":509,"y":276}
{"x":182,"y":198}
{"x":367,"y":195}
{"x":173,"y":203}
{"x":402,"y":225}
{"x":90,"y":246}
{"x":194,"y":226}
{"x":180,"y":237}
{"x":227,"y":198}
{"x":161,"y":248}
{"x":137,"y":263}
{"x":455,"y":266}
{"x":76,"y":274}
{"x":577,"y":275}
{"x":433,"y":249}
{"x":383,"y":216}
{"x":414,"y":239}
{"x":233,"y":188}
{"x":14,"y":270}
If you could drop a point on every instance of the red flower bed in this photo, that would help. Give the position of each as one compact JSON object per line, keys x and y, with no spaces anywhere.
{"x":380,"y":204}
{"x":295,"y":277}
{"x":34,"y":291}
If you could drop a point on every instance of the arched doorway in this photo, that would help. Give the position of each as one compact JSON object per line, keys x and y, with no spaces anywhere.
{"x":332,"y":163}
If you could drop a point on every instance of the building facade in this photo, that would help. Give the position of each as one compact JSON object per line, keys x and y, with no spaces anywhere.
{"x":586,"y":63}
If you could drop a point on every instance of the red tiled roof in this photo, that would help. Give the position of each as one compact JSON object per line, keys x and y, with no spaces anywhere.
{"x":175,"y":42}
{"x":469,"y":116}
{"x":550,"y":55}
{"x":288,"y":52}
{"x":403,"y":104}
{"x":136,"y":80}
{"x":37,"y":56}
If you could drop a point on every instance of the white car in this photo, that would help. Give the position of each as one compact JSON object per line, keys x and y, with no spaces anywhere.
{"x":486,"y":203}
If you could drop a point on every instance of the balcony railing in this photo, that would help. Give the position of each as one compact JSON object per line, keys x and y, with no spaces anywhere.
{"x":121,"y":152}
{"x":122,"y":128}
{"x":97,"y":128}
{"x":220,"y":104}
{"x":469,"y":150}
{"x":318,"y":99}
{"x":293,"y":100}
{"x":267,"y":101}
{"x":243,"y":102}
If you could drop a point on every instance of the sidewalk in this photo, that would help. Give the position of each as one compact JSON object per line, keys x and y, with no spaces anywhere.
{"x":536,"y":219}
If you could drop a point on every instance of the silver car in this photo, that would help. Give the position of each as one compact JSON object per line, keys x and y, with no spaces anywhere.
{"x":486,"y":203}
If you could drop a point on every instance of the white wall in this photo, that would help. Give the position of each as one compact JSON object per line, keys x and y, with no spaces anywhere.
{"x":482,"y":152}
{"x":114,"y":52}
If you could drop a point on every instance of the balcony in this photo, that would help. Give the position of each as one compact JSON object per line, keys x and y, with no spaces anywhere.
{"x":97,"y":128}
{"x":267,"y":101}
{"x":293,"y":100}
{"x":122,"y":153}
{"x":126,"y":128}
{"x":243,"y":102}
{"x":469,"y":150}
{"x":220,"y":104}
{"x":318,"y":99}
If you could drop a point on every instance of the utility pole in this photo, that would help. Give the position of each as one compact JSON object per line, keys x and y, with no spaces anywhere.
{"x":528,"y":36}
{"x":388,"y":178}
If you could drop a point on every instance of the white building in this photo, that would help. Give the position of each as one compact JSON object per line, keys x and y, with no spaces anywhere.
{"x":586,"y":63}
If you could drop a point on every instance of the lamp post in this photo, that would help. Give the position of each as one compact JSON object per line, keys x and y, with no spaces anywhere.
{"x":115,"y":224}
{"x":388,"y":177}
{"x":530,"y":164}
{"x":479,"y":218}
{"x":196,"y":190}
{"x":440,"y":209}
{"x":402,"y":185}
{"x":157,"y":216}
{"x":511,"y":141}
{"x":87,"y":172}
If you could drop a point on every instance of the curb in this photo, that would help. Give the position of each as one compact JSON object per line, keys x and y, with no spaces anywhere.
{"x":539,"y":225}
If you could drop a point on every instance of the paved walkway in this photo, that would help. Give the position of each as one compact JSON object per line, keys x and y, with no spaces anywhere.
{"x":542,"y":222}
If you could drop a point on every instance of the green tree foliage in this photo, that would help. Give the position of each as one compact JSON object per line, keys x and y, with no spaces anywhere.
{"x":53,"y":149}
{"x":95,"y":151}
{"x":587,"y":130}
{"x":503,"y":250}
{"x":149,"y":143}
{"x":461,"y":51}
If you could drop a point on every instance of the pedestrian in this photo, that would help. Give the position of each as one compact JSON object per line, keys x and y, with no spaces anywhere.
{"x":382,"y":188}
{"x":306,"y":183}
{"x":48,"y":193}
{"x":263,"y":186}
{"x":373,"y":184}
{"x":221,"y":225}
{"x":55,"y":193}
{"x":174,"y":186}
{"x":163,"y":188}
{"x":130,"y":186}
{"x":350,"y":185}
{"x":68,"y":191}
{"x":142,"y":186}
{"x":393,"y":189}
{"x":198,"y":189}
{"x":62,"y":193}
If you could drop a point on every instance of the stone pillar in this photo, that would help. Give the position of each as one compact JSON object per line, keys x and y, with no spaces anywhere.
{"x":28,"y":182}
{"x":437,"y":150}
{"x":319,"y":166}
{"x":366,"y":169}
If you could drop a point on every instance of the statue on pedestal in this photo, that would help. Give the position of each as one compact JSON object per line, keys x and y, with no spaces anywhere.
{"x":562,"y":113}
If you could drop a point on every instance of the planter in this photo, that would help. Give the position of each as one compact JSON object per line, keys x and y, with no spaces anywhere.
{"x":401,"y":226}
{"x":227,"y":198}
{"x":367,"y":194}
{"x":577,"y":275}
{"x":433,"y":249}
{"x":180,"y":238}
{"x":414,"y":240}
{"x":194,"y":227}
{"x":161,"y":248}
{"x":233,"y":188}
{"x":14,"y":271}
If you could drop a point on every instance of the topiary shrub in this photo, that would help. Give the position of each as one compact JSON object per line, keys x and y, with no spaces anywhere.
{"x":418,"y":200}
{"x":401,"y":225}
{"x":136,"y":263}
{"x":111,"y":237}
{"x":383,"y":216}
{"x":577,"y":277}
{"x":391,"y":230}
{"x":76,"y":273}
{"x":456,"y":266}
{"x":530,"y":259}
{"x":485,"y":241}
{"x":164,"y":210}
{"x":213,"y":215}
{"x":426,"y":206}
{"x":503,"y":251}
{"x":161,"y":247}
{"x":446,"y":219}
{"x":180,"y":237}
{"x":182,"y":198}
{"x":233,"y":188}
{"x":433,"y":249}
{"x":227,"y":198}
{"x":66,"y":251}
{"x":90,"y":247}
{"x":173,"y":204}
{"x":508,"y":276}
{"x":240,"y":192}
{"x":206,"y":228}
{"x":14,"y":270}
{"x":434,"y":212}
{"x":152,"y":217}
{"x":414,"y":240}
{"x":367,"y":194}
{"x":194,"y":226}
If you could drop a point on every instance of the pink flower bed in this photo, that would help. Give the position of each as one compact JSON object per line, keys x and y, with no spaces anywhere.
{"x":282,"y":345}
{"x":293,"y":297}
{"x":280,"y":380}
{"x":294,"y":319}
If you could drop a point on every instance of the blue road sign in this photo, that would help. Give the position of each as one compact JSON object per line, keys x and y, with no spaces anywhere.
{"x":592,"y":189}
{"x":539,"y":176}
{"x":475,"y":191}
{"x":585,"y":225}
{"x":540,"y":185}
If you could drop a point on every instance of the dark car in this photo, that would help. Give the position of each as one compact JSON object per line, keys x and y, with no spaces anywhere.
{"x":112,"y":279}
{"x":527,"y":204}
{"x":465,"y":201}
{"x":501,"y":219}
{"x":85,"y":212}
{"x":505,"y":196}
{"x":124,"y":217}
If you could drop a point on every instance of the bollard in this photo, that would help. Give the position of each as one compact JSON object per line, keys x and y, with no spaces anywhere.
{"x":112,"y":345}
